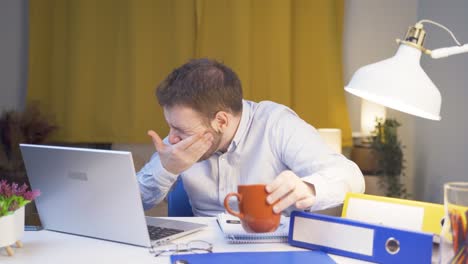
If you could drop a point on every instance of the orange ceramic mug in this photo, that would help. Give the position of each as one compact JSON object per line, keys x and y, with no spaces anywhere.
{"x":255,"y":213}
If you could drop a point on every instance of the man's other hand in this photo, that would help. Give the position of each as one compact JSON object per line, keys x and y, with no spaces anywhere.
{"x":289,"y":189}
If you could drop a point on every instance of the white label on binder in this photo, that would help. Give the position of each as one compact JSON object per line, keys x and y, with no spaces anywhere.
{"x":334,"y":235}
{"x":384,"y":213}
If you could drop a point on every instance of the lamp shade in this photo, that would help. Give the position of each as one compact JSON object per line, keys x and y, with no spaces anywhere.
{"x":399,"y":83}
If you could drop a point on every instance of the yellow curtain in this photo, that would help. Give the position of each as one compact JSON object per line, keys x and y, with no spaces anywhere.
{"x":95,"y":64}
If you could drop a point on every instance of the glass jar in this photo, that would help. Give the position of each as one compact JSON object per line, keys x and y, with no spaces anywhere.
{"x":453,"y":237}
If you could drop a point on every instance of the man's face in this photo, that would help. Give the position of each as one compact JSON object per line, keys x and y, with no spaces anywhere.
{"x":184,"y":122}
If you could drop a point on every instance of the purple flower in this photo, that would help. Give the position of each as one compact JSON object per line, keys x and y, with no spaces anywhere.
{"x":3,"y":183}
{"x":13,"y":197}
{"x":31,"y":195}
{"x":14,"y":188}
{"x":22,"y":190}
{"x":5,"y":189}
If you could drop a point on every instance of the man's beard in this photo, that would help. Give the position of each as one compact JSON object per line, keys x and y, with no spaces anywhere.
{"x":214,"y":146}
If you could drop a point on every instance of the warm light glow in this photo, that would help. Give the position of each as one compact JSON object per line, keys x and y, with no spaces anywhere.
{"x":393,"y":103}
{"x":369,"y":112}
{"x":332,"y":137}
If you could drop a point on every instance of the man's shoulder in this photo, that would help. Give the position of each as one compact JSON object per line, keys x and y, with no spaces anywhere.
{"x":270,"y":106}
{"x":270,"y":112}
{"x":274,"y":110}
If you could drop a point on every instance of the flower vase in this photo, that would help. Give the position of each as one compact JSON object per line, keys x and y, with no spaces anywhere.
{"x":12,"y":230}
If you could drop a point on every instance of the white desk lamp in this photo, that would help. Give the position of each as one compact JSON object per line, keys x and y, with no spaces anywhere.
{"x":399,"y":82}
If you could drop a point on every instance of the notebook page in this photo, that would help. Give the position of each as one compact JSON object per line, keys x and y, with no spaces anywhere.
{"x":234,"y":233}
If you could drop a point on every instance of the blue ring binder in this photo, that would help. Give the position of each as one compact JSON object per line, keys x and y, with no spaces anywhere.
{"x":360,"y":240}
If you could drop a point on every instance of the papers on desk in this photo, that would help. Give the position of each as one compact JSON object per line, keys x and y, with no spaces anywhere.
{"x":290,"y":257}
{"x":234,"y":233}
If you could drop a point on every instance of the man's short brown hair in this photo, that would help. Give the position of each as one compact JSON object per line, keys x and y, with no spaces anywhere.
{"x":205,"y":85}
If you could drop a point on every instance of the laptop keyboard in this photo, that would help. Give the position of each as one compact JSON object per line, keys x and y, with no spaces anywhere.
{"x":157,"y":233}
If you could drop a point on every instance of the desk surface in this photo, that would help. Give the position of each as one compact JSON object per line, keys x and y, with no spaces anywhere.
{"x":53,"y":247}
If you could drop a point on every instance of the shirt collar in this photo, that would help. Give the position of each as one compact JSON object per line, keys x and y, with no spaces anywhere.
{"x":245,"y":117}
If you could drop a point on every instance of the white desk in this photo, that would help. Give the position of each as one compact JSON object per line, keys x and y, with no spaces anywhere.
{"x":53,"y":247}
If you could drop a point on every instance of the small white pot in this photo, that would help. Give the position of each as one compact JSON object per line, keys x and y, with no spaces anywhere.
{"x":11,"y":228}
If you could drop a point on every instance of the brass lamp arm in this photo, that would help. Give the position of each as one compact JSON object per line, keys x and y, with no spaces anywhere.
{"x":416,"y":35}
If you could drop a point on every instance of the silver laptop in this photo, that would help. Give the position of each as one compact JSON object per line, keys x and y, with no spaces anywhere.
{"x":95,"y":193}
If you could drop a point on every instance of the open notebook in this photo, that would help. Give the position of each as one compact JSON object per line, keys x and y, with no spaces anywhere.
{"x":234,"y":233}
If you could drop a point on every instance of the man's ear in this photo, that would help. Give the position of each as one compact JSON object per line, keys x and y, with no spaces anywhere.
{"x":220,"y":121}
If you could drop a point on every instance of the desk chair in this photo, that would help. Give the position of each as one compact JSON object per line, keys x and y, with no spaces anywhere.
{"x":177,"y":200}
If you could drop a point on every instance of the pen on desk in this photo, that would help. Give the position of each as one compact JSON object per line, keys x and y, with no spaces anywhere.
{"x":233,"y":222}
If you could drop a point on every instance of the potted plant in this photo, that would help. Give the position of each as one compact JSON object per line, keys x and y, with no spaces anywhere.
{"x":388,"y":151}
{"x":28,"y":126}
{"x":13,"y":198}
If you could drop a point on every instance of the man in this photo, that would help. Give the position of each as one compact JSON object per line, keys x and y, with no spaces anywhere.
{"x":217,"y":141}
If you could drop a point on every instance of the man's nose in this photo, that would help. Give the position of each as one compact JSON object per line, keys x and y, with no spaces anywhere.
{"x":174,"y":138}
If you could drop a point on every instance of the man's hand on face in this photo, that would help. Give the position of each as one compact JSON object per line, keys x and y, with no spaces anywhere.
{"x":289,"y":189}
{"x":182,"y":155}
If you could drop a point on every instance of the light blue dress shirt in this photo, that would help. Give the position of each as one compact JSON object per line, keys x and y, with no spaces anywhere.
{"x":270,"y":139}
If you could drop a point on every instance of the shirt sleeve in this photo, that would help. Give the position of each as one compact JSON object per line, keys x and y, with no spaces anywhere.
{"x":154,"y":182}
{"x":303,"y":151}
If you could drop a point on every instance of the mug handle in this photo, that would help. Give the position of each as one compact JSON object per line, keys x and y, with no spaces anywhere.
{"x":229,"y":209}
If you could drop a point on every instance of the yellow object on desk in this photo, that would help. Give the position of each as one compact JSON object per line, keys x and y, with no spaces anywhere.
{"x":394,"y":212}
